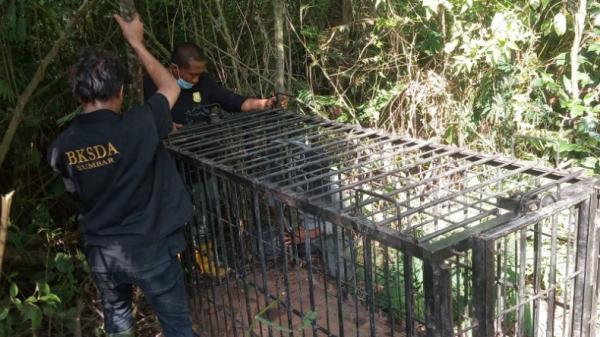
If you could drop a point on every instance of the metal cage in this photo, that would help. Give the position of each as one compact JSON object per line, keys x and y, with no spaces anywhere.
{"x":304,"y":226}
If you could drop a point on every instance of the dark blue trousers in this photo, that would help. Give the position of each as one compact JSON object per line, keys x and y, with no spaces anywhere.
{"x":164,"y":289}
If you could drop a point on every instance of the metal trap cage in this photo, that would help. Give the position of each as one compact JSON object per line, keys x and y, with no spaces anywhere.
{"x":308,"y":227}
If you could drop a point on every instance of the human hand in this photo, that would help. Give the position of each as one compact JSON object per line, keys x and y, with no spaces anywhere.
{"x":270,"y":102}
{"x":278,"y":98}
{"x":133,"y":31}
{"x":299,"y":235}
{"x":283,"y":101}
{"x":176,"y":127}
{"x":294,"y":237}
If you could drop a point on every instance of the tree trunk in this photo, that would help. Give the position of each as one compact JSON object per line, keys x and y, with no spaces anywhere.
{"x":23,"y":99}
{"x":279,"y":11}
{"x":134,"y":68}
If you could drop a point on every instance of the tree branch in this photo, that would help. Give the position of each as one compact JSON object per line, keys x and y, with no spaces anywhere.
{"x":23,"y":99}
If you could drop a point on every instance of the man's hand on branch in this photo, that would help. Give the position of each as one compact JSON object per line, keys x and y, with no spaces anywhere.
{"x":133,"y":31}
{"x":283,"y":101}
{"x":260,"y":104}
{"x":271,"y":103}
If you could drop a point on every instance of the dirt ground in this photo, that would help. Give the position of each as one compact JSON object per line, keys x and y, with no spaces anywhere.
{"x":220,"y":311}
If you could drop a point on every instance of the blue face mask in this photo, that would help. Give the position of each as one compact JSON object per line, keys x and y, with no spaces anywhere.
{"x":183,"y":84}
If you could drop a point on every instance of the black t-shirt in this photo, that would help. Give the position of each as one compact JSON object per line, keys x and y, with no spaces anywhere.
{"x":206,"y":92}
{"x":132,"y":195}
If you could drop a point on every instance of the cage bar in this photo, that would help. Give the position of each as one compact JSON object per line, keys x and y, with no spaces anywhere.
{"x":308,"y":227}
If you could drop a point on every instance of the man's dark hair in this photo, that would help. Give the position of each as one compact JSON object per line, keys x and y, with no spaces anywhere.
{"x":97,"y":75}
{"x":185,"y":52}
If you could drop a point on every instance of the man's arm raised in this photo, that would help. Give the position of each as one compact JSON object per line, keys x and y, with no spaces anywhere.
{"x":133,"y":31}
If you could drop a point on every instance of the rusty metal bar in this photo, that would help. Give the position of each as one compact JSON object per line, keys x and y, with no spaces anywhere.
{"x":275,"y":149}
{"x":402,"y":148}
{"x":484,"y":299}
{"x":438,"y":305}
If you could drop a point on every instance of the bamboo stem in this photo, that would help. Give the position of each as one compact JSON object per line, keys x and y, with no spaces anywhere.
{"x":4,"y":221}
{"x":279,"y":9}
{"x":579,"y":25}
{"x":78,"y":330}
{"x":221,"y":25}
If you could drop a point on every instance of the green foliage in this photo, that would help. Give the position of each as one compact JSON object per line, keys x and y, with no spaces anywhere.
{"x":492,"y":75}
{"x":499,"y":70}
{"x":308,"y":318}
{"x":20,"y":312}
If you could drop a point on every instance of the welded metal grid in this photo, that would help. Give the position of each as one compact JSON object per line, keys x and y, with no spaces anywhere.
{"x":417,"y":191}
{"x":425,"y":230}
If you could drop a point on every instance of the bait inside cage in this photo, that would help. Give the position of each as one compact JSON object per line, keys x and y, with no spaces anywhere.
{"x":310,"y":227}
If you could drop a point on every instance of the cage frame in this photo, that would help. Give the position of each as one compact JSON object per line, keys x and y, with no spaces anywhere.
{"x":583,"y":193}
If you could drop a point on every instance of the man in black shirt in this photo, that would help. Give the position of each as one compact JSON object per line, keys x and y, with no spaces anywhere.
{"x":199,"y":89}
{"x":134,"y":202}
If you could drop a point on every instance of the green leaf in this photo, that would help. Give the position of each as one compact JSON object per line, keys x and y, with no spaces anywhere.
{"x":432,"y":5}
{"x":50,"y":299}
{"x":590,"y":162}
{"x":17,"y":302}
{"x":594,"y":48}
{"x":450,"y":134}
{"x":588,"y":99}
{"x":512,"y":45}
{"x":546,"y":28}
{"x":63,"y":263}
{"x":33,"y":313}
{"x":14,"y":290}
{"x":3,"y":313}
{"x":561,"y":59}
{"x":577,"y":110}
{"x":560,"y":24}
{"x":564,"y":146}
{"x":596,"y":19}
{"x":308,"y":318}
{"x":44,"y":288}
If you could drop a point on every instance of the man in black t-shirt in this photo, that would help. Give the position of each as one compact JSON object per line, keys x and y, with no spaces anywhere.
{"x":199,"y":89}
{"x":134,"y":202}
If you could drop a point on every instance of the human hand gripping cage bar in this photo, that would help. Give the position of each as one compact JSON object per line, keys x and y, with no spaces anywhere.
{"x":213,"y":113}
